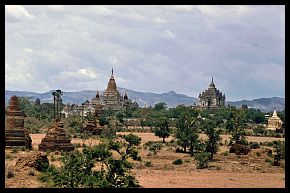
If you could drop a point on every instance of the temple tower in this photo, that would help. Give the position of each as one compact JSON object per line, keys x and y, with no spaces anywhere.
{"x":211,"y":98}
{"x":15,"y":133}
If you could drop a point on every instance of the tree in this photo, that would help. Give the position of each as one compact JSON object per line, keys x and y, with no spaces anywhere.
{"x":54,"y":96}
{"x":279,"y":150}
{"x":213,"y":138}
{"x":187,"y":134}
{"x":238,"y":120}
{"x":162,"y":130}
{"x":160,"y":106}
{"x":59,"y":93}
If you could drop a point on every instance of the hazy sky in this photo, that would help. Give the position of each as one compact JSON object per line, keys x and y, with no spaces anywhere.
{"x":152,"y":48}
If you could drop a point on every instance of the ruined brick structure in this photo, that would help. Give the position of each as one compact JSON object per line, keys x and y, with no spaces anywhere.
{"x":211,"y":98}
{"x":15,"y":133}
{"x":56,"y":139}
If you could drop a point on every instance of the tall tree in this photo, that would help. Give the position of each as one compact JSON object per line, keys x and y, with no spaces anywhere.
{"x":162,"y":130}
{"x":213,"y":138}
{"x":59,"y":93}
{"x":187,"y":134}
{"x":54,"y":95}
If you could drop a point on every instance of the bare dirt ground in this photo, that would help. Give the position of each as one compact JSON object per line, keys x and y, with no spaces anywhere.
{"x":226,"y":171}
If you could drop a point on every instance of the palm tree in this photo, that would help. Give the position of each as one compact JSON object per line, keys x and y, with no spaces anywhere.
{"x":54,"y":94}
{"x":58,"y":99}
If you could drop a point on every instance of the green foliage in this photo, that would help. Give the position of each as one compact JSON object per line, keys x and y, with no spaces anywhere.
{"x":108,"y":132}
{"x":187,"y":133}
{"x":225,"y":153}
{"x":160,"y":106}
{"x":148,"y":164}
{"x":162,"y":130}
{"x":254,"y":145}
{"x":76,"y":169}
{"x":202,"y":159}
{"x":153,"y":147}
{"x":213,"y":138}
{"x":260,"y":131}
{"x":237,"y":118}
{"x":279,"y":150}
{"x":103,"y":121}
{"x":177,"y":162}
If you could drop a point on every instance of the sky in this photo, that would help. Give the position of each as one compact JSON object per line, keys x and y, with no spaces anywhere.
{"x":151,"y":48}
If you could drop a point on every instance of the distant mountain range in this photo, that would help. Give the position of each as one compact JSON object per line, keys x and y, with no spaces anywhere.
{"x":143,"y":99}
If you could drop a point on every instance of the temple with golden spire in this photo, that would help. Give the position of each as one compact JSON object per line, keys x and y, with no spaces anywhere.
{"x":274,"y":122}
{"x":211,"y":98}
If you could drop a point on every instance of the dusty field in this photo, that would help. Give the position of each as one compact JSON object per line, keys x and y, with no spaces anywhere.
{"x":250,"y":171}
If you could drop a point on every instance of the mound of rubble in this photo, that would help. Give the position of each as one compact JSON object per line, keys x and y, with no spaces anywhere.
{"x":38,"y":160}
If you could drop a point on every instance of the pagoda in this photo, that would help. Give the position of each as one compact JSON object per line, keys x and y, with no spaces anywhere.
{"x":15,"y":133}
{"x":274,"y":122}
{"x":111,"y":97}
{"x":211,"y":98}
{"x":56,"y":138}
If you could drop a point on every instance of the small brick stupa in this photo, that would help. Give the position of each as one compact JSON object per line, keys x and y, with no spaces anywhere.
{"x":15,"y":133}
{"x":56,"y":139}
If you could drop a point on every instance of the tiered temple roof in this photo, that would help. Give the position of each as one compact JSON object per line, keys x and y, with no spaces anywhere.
{"x":211,"y":98}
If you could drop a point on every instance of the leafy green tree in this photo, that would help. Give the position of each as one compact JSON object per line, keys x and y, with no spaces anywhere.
{"x":238,"y":119}
{"x":213,"y":139}
{"x":162,"y":130}
{"x":279,"y":150}
{"x":187,"y":133}
{"x":160,"y":106}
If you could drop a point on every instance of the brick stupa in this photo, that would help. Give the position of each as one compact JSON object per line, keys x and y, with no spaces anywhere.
{"x":56,"y":139}
{"x":15,"y":133}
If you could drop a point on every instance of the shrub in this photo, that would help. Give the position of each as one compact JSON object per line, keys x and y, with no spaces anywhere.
{"x":77,"y":171}
{"x":148,"y":164}
{"x":269,"y":161}
{"x":270,"y":143}
{"x":15,"y":149}
{"x":225,"y":153}
{"x":254,"y":145}
{"x":279,"y":149}
{"x":31,"y":173}
{"x":77,"y":145}
{"x":277,"y":135}
{"x":177,"y":162}
{"x":239,"y":149}
{"x":258,"y":154}
{"x":52,"y":158}
{"x":153,"y":147}
{"x":202,"y":159}
{"x":10,"y":174}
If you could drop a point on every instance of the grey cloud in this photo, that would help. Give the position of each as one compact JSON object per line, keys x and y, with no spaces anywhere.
{"x":152,"y":48}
